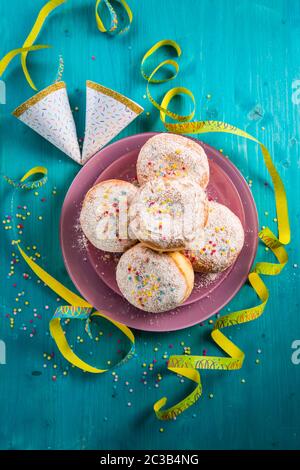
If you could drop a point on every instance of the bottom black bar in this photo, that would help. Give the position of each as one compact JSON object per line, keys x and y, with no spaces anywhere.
{"x":144,"y":458}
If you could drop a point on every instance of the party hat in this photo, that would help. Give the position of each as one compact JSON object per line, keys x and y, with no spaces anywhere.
{"x":107,"y":114}
{"x":49,"y":114}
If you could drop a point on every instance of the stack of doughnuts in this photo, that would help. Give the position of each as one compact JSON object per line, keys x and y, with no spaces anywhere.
{"x":167,"y":214}
{"x":166,"y":228}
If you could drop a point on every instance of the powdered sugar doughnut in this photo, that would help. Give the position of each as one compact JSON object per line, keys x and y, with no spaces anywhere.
{"x":168,"y":214}
{"x":103,"y":216}
{"x":172,"y":155}
{"x":224,"y":240}
{"x":152,"y":281}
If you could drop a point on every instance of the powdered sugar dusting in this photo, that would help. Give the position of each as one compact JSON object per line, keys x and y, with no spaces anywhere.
{"x":81,"y":240}
{"x":203,"y":280}
{"x":149,"y":280}
{"x":168,"y":213}
{"x":170,"y":155}
{"x":224,"y":239}
{"x":104,"y":208}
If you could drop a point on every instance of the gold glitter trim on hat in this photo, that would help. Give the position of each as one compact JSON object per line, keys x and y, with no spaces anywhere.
{"x":38,"y":97}
{"x":136,"y":108}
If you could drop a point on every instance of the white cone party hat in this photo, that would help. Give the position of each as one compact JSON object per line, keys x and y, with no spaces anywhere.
{"x":107,"y":114}
{"x":49,"y":114}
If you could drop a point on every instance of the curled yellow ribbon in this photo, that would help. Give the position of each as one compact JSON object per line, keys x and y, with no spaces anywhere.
{"x":35,"y":31}
{"x":5,"y":61}
{"x":29,"y":41}
{"x":175,"y":91}
{"x":188,"y":366}
{"x":45,"y":11}
{"x":78,"y":309}
{"x":114,"y":27}
{"x":34,"y":183}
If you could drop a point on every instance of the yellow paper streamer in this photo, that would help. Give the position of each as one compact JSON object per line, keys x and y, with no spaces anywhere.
{"x":5,"y":61}
{"x":114,"y":27}
{"x":188,"y":366}
{"x":45,"y":11}
{"x":34,"y":183}
{"x":35,"y":31}
{"x":78,"y":308}
{"x":29,"y":41}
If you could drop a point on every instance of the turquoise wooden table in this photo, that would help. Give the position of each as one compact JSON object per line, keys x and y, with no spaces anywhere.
{"x":241,"y":59}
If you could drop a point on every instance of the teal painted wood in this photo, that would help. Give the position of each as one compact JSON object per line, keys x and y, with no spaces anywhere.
{"x":246,"y":55}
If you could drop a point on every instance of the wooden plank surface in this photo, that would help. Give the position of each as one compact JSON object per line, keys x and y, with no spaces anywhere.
{"x":245,"y":54}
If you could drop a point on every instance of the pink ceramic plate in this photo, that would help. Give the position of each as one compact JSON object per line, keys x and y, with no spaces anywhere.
{"x":220,"y":188}
{"x":93,"y":271}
